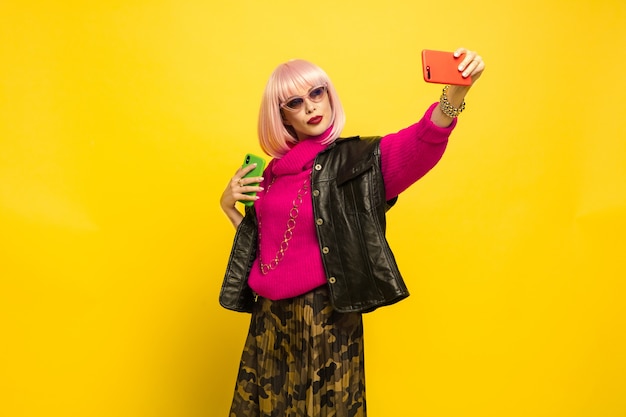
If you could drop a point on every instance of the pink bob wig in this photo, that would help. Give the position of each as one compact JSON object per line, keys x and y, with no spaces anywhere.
{"x":289,"y":79}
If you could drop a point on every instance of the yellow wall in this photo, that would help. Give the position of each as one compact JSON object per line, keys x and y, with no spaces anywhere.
{"x":122,"y":120}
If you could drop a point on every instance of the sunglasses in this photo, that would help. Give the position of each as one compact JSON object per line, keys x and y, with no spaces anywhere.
{"x":295,"y":103}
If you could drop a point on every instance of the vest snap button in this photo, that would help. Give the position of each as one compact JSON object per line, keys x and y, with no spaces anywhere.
{"x":316,"y":193}
{"x":319,"y":222}
{"x":318,"y":167}
{"x":325,"y":249}
{"x":332,"y":280}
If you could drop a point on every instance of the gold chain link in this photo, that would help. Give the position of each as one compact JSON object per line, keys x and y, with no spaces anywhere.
{"x":291,"y":224}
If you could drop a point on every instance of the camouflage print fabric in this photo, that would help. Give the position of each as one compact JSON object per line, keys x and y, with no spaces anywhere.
{"x":301,"y":359}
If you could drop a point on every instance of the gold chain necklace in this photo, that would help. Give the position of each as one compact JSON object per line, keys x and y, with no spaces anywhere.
{"x":288,"y":234}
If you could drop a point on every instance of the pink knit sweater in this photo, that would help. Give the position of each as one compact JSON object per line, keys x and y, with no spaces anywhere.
{"x":405,"y":157}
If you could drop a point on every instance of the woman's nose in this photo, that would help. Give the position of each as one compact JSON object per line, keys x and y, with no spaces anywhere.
{"x":309,"y":105}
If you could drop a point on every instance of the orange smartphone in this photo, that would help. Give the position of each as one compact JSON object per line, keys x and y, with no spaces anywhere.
{"x":441,"y":67}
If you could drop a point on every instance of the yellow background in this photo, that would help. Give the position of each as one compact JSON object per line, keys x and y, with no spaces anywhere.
{"x":121,"y":122}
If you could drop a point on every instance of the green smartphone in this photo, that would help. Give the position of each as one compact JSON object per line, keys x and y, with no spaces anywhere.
{"x":256,"y":172}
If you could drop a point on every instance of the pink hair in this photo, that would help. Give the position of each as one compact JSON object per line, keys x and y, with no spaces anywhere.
{"x":287,"y":80}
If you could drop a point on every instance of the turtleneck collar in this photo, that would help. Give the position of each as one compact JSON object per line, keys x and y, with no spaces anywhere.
{"x":301,"y":155}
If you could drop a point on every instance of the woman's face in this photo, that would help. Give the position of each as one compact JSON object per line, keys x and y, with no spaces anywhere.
{"x":309,"y":113}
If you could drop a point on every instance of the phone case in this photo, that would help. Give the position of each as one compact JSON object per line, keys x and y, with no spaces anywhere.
{"x":441,"y":67}
{"x":256,"y":172}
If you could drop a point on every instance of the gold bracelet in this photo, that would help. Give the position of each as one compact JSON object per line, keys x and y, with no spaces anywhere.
{"x":447,"y":108}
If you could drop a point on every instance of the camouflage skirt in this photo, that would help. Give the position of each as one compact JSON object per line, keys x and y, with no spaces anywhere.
{"x":301,"y":359}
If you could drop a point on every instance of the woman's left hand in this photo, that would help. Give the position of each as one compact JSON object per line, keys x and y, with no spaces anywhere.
{"x":472,"y":64}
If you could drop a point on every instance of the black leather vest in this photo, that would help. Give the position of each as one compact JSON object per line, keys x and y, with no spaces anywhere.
{"x":349,"y":212}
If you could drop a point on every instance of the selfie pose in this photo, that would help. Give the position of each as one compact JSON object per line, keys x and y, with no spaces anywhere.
{"x":310,"y":255}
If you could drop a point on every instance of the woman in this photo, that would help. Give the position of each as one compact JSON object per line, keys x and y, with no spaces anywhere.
{"x":310,"y":256}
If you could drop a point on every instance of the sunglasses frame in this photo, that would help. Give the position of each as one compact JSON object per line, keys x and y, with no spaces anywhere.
{"x":317,"y":99}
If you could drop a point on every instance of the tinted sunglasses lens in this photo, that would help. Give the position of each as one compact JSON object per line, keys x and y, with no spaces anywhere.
{"x":294,"y":104}
{"x":317,"y":93}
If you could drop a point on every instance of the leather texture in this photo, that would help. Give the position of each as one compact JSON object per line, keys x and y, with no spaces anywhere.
{"x":349,"y":208}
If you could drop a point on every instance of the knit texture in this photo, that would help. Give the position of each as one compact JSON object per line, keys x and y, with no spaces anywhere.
{"x":406,"y":156}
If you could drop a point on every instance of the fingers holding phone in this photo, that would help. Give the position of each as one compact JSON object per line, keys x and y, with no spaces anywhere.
{"x":242,"y":187}
{"x":248,"y":178}
{"x":461,"y":67}
{"x":472,"y":64}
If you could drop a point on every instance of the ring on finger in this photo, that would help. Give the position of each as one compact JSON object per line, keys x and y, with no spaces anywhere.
{"x":240,"y":183}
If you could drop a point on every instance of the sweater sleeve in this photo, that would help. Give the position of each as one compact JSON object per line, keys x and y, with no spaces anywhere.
{"x":406,"y":156}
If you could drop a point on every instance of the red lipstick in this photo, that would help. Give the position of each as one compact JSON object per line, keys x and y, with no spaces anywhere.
{"x":315,"y":120}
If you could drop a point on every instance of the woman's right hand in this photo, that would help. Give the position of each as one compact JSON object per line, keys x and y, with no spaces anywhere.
{"x":237,"y":186}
